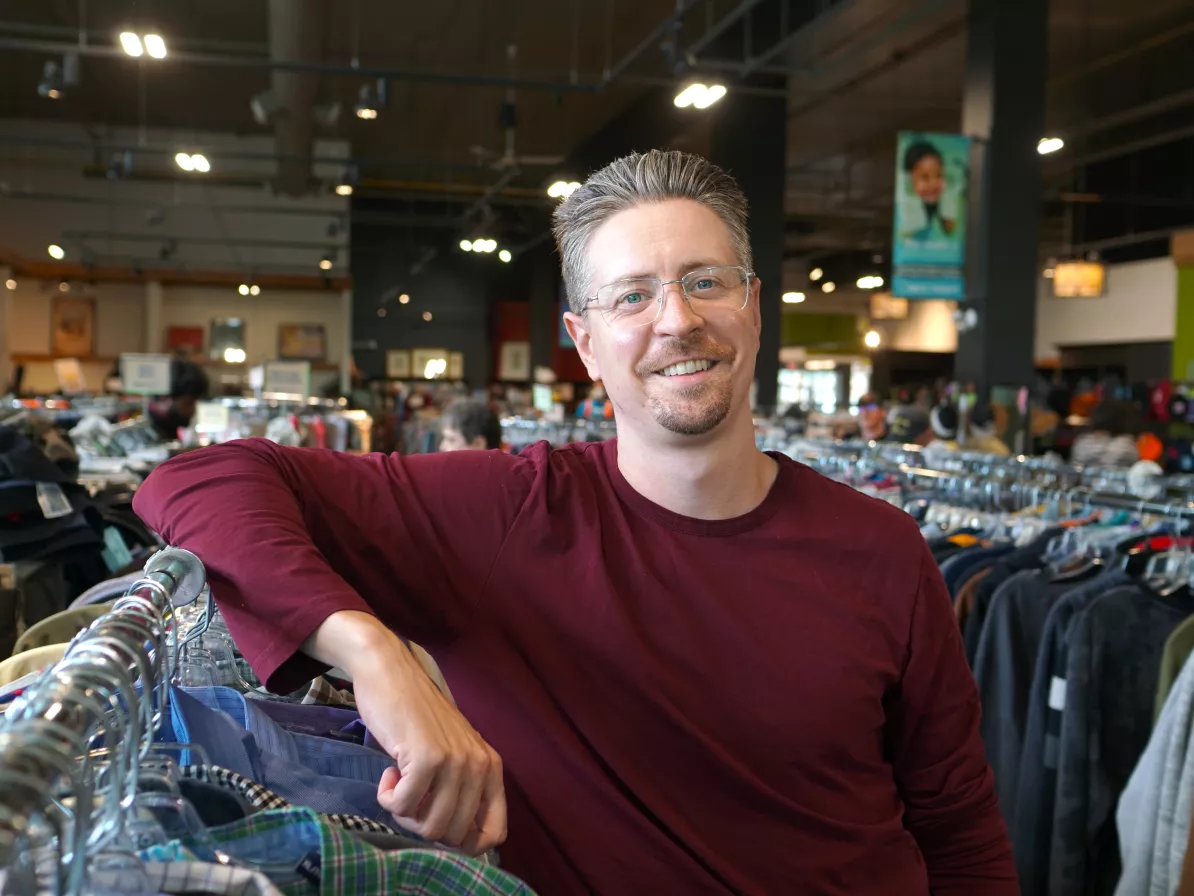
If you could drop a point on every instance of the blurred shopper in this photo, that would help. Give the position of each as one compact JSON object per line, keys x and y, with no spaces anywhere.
{"x":1111,"y":441}
{"x":686,"y":666}
{"x":469,"y":425}
{"x":983,"y":432}
{"x":596,"y":406}
{"x":188,"y":384}
{"x":872,"y":418}
{"x":943,"y":424}
{"x":908,"y":424}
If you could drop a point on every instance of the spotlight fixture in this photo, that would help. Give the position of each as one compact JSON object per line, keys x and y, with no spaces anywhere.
{"x":234,"y":355}
{"x":10,"y":283}
{"x":64,"y":286}
{"x":131,"y":43}
{"x":192,"y":162}
{"x":427,"y":315}
{"x":701,"y":96}
{"x":243,"y":289}
{"x":816,"y":274}
{"x":344,"y":190}
{"x":505,"y":255}
{"x":155,"y":46}
{"x":254,"y":290}
{"x":366,"y":107}
{"x":466,"y":246}
{"x":870,"y":281}
{"x":404,"y":299}
{"x":828,"y":286}
{"x":793,"y":298}
{"x":872,"y":339}
{"x":562,"y":189}
{"x":56,"y":252}
{"x":1049,"y":145}
{"x":325,"y":263}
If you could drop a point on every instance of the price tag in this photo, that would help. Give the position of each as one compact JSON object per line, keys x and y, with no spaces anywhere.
{"x":145,"y":374}
{"x":289,"y":380}
{"x":211,"y":416}
{"x":52,"y":501}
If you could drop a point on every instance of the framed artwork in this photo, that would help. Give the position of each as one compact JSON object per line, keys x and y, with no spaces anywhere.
{"x":72,"y":327}
{"x":302,"y":342}
{"x":455,"y":365}
{"x":398,"y":364}
{"x":514,"y":361}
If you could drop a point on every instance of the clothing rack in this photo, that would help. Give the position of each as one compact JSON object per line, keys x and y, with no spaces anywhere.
{"x":49,"y":732}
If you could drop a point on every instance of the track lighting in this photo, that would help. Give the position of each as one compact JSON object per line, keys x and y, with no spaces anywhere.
{"x":136,"y":46}
{"x":505,"y":255}
{"x":10,"y":283}
{"x":562,"y":189}
{"x":192,"y":162}
{"x":56,"y":252}
{"x":246,"y":290}
{"x":816,"y":274}
{"x":871,"y":281}
{"x":828,"y":286}
{"x":793,"y":298}
{"x":325,"y":263}
{"x":344,"y":190}
{"x":701,"y":96}
{"x":1049,"y":145}
{"x":872,"y":339}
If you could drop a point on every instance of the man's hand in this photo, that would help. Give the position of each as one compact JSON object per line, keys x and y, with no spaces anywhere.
{"x":447,"y":785}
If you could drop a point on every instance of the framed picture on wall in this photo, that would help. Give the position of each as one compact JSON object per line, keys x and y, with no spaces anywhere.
{"x":514,"y":361}
{"x":72,"y":327}
{"x":302,"y":342}
{"x":398,"y":364}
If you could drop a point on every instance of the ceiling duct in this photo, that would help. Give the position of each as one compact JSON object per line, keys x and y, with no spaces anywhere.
{"x":294,"y":36}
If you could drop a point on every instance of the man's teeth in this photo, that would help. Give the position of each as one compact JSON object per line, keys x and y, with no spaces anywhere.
{"x":685,"y":367}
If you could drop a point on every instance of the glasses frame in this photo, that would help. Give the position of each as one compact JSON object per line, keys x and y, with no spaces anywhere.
{"x":661,"y":293}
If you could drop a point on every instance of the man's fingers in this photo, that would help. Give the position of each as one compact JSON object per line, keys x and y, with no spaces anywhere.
{"x":490,"y":828}
{"x":437,"y":812}
{"x":469,"y":799}
{"x":400,"y":794}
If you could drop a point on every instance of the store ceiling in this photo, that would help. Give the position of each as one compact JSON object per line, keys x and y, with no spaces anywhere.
{"x":858,"y":72}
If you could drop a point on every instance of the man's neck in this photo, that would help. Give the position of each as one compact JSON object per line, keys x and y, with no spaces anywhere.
{"x":714,"y":477}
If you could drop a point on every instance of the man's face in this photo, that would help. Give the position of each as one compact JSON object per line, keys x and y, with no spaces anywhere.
{"x":184,"y":406}
{"x":668,"y":240}
{"x":928,"y":179}
{"x":453,"y":440}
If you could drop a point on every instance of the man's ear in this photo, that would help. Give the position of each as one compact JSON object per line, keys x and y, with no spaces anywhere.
{"x":578,"y":329}
{"x":756,"y":286}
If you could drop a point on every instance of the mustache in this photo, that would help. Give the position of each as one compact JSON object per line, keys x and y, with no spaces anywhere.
{"x":676,"y":350}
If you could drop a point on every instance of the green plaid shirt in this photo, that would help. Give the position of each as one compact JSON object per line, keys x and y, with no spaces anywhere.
{"x":305,"y":856}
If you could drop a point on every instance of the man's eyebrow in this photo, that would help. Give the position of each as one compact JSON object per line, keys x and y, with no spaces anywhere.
{"x":688,"y":267}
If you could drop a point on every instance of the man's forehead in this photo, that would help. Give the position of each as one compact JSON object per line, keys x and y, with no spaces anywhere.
{"x":659,"y":239}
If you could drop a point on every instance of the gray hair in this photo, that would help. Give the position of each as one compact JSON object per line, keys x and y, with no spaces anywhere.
{"x":637,"y":179}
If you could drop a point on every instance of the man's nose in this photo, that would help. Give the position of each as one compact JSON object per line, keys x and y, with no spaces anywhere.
{"x":677,"y":317}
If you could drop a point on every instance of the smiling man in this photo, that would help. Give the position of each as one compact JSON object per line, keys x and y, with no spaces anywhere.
{"x":683,"y":665}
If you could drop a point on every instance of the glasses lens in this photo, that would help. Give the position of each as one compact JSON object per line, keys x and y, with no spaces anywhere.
{"x":722,"y":287}
{"x":629,"y":303}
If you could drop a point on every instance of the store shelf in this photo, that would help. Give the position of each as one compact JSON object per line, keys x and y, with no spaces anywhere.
{"x":50,"y":359}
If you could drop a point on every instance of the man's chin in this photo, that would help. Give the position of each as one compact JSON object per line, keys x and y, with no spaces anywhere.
{"x":687,"y":419}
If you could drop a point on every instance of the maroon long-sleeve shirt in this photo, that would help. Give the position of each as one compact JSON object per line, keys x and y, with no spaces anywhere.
{"x":776,"y":703}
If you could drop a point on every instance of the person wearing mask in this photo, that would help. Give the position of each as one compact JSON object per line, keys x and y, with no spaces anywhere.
{"x":188,"y":384}
{"x":1110,"y":442}
{"x":982,"y":432}
{"x":683,"y":665}
{"x":469,"y":425}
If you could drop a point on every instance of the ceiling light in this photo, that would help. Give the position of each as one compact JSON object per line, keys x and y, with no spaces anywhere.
{"x":702,"y":96}
{"x":816,"y":274}
{"x":562,"y":189}
{"x":200,"y":162}
{"x":793,"y":298}
{"x":50,"y":93}
{"x":344,"y":190}
{"x":131,"y":43}
{"x":870,"y":281}
{"x":828,"y":286}
{"x":1050,"y":144}
{"x":155,"y":46}
{"x":872,"y":339}
{"x":1050,"y":273}
{"x":370,"y":100}
{"x":183,"y":160}
{"x":505,"y":255}
{"x":64,"y":286}
{"x":365,"y":113}
{"x":254,"y":290}
{"x":10,"y":283}
{"x":56,"y":252}
{"x":234,"y":355}
{"x":427,"y":315}
{"x":325,"y":263}
{"x":404,"y":299}
{"x":243,"y":289}
{"x":466,"y":246}
{"x":381,"y":312}
{"x":55,"y":77}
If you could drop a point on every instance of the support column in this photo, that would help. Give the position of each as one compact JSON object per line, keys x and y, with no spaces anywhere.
{"x":5,"y":329}
{"x":1004,"y":111}
{"x":346,"y":342}
{"x":748,"y":139}
{"x":545,"y":306}
{"x":153,"y":317}
{"x":1182,"y":250}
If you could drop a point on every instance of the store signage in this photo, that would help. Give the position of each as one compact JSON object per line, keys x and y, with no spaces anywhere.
{"x":929,"y":242}
{"x":287,"y":380}
{"x":145,"y":374}
{"x":1079,"y":279}
{"x":211,"y":417}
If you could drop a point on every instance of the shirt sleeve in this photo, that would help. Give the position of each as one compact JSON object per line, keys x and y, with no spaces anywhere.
{"x":940,"y":767}
{"x":291,"y":535}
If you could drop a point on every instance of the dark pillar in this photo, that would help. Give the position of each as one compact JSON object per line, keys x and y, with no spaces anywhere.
{"x":1004,"y":111}
{"x":748,"y":140}
{"x":545,"y":305}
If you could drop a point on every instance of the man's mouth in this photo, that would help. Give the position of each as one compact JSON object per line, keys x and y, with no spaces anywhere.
{"x":687,"y":368}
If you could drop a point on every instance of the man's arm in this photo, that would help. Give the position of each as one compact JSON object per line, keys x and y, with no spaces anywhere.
{"x":940,"y":766}
{"x":290,"y":536}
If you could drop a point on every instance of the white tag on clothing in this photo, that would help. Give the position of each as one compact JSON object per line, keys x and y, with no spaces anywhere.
{"x":52,"y":500}
{"x":1057,"y":694}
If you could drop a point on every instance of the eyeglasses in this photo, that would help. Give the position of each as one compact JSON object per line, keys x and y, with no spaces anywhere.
{"x":638,"y":301}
